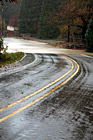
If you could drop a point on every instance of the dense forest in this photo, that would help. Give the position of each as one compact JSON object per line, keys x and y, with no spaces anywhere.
{"x":47,"y":27}
{"x":29,"y":15}
{"x":47,"y":19}
{"x":55,"y":19}
{"x":36,"y":15}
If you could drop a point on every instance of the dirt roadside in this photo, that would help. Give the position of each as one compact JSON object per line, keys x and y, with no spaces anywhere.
{"x":62,"y":50}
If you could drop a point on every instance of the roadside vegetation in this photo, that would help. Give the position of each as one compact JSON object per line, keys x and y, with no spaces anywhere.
{"x":68,"y":45}
{"x":78,"y":45}
{"x":8,"y":58}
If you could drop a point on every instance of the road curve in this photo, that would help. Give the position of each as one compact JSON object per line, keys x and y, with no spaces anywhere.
{"x":66,"y":112}
{"x":44,"y":91}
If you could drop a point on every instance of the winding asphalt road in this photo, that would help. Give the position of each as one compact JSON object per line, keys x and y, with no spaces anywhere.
{"x":49,"y":96}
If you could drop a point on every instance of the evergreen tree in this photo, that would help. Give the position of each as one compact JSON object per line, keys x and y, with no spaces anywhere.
{"x":89,"y":36}
{"x":68,"y":14}
{"x":29,"y":16}
{"x":23,"y":16}
{"x":48,"y":29}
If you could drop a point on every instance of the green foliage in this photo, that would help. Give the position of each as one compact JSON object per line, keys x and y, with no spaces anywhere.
{"x":3,"y":48}
{"x":48,"y":32}
{"x":8,"y":58}
{"x":37,"y":16}
{"x":71,"y":13}
{"x":89,"y":36}
{"x":47,"y":28}
{"x":29,"y":14}
{"x":33,"y":18}
{"x":22,"y":17}
{"x":4,"y":25}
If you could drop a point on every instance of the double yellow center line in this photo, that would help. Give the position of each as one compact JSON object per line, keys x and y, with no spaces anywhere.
{"x":47,"y":86}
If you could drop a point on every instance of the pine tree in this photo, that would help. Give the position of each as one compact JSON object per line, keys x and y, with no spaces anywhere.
{"x":89,"y":36}
{"x":29,"y":16}
{"x":47,"y":29}
{"x":23,"y":16}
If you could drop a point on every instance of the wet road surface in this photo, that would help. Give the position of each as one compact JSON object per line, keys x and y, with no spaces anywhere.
{"x":65,"y":114}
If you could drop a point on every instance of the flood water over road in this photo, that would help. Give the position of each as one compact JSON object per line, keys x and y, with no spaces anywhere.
{"x":65,"y":114}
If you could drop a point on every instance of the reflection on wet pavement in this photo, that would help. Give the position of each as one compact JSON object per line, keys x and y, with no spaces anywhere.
{"x":67,"y":114}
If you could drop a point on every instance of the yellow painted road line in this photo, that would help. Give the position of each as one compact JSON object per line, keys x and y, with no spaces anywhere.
{"x":32,"y":94}
{"x":45,"y":95}
{"x":38,"y":91}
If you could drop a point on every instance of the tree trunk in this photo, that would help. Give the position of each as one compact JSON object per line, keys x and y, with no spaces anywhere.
{"x":83,"y":33}
{"x":68,"y":33}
